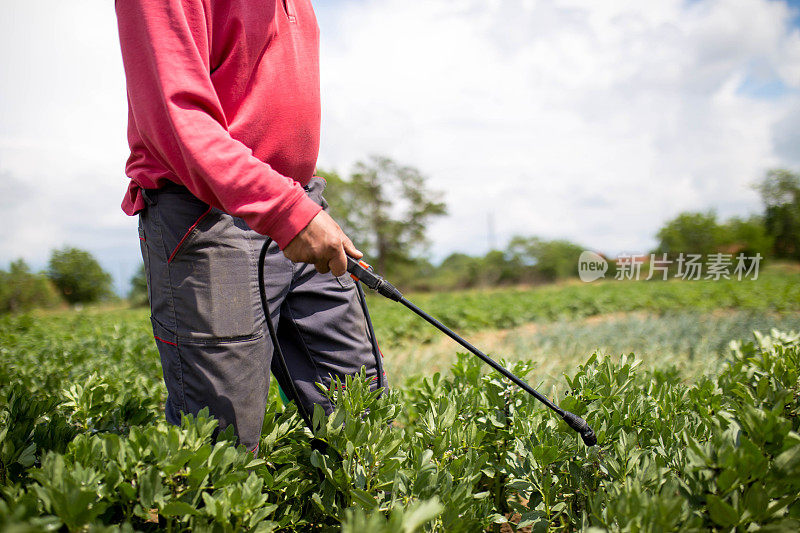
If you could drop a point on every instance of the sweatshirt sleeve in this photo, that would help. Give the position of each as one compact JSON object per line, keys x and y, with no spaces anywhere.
{"x":165,"y":52}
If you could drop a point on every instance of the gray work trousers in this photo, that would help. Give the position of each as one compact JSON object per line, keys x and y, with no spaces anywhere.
{"x":216,"y":352}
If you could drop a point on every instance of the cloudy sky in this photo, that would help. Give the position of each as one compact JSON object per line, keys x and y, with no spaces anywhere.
{"x":590,"y":120}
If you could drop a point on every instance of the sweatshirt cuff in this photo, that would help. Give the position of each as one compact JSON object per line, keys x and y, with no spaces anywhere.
{"x":291,"y":220}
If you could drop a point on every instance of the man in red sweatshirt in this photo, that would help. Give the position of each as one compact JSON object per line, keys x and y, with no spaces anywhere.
{"x":223,"y":126}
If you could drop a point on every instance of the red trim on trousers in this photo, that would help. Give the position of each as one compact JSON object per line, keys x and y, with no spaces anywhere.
{"x":186,"y":235}
{"x":164,"y":341}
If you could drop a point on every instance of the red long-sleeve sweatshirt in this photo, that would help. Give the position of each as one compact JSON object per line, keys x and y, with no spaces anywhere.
{"x":223,"y":98}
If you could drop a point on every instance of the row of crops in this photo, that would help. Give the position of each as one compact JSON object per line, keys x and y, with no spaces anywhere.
{"x":83,"y":446}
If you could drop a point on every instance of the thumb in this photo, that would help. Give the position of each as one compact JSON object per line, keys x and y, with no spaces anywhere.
{"x":350,"y":249}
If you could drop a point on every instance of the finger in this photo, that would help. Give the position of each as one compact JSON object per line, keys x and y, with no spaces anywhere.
{"x":350,"y":248}
{"x":338,"y":263}
{"x":295,"y":254}
{"x":288,"y":253}
{"x":322,"y":267}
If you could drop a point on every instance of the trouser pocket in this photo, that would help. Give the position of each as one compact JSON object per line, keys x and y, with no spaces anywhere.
{"x":230,"y":378}
{"x":204,"y":273}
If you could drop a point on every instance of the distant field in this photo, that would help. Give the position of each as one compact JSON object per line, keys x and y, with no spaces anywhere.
{"x":774,"y":291}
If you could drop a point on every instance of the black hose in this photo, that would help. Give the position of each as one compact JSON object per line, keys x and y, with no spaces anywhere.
{"x":276,"y":346}
{"x":376,"y":351}
{"x":278,"y":353}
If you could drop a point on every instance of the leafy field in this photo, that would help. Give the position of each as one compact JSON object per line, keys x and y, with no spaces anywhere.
{"x":704,"y":443}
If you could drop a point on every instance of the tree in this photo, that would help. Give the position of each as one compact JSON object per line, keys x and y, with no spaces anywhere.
{"x":78,"y":276}
{"x":695,"y":233}
{"x":746,"y":235}
{"x":780,"y":192}
{"x":341,"y":198}
{"x":138,"y":296}
{"x":385,"y":208}
{"x":458,"y":271}
{"x":23,"y":290}
{"x":548,"y":260}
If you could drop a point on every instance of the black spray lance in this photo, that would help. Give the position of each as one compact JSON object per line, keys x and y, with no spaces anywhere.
{"x":361,"y":271}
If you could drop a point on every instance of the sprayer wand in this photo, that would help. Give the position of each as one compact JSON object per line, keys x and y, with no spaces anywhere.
{"x":361,"y":271}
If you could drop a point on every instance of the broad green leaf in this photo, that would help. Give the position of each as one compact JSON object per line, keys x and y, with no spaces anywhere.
{"x":178,"y":508}
{"x":419,"y":514}
{"x":721,"y":512}
{"x":788,"y":462}
{"x":365,"y":499}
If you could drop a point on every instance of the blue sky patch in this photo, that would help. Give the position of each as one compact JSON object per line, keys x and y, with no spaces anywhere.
{"x":764,"y":89}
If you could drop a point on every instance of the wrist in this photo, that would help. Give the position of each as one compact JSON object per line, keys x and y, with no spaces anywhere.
{"x":292,"y":220}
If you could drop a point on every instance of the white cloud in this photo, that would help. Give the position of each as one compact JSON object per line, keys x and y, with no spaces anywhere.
{"x":62,"y":134}
{"x":590,"y":120}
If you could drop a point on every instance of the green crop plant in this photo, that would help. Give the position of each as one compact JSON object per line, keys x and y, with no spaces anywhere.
{"x":84,"y":447}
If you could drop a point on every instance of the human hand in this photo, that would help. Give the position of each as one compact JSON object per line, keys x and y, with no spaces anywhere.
{"x":324,"y":244}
